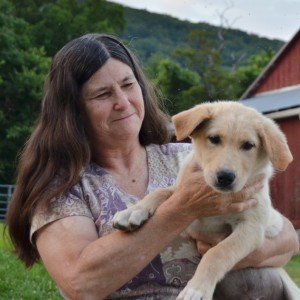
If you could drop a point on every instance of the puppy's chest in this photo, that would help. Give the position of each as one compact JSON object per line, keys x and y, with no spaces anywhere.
{"x":215,"y":224}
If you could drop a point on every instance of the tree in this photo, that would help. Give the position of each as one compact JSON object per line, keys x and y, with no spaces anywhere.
{"x":22,"y":73}
{"x":55,"y":22}
{"x":244,"y":76}
{"x":199,"y":75}
{"x":202,"y":56}
{"x":172,"y":81}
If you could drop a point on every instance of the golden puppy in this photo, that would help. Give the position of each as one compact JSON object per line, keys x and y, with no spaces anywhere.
{"x":232,"y":143}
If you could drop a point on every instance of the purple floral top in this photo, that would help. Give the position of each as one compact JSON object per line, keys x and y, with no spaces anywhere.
{"x":98,"y":196}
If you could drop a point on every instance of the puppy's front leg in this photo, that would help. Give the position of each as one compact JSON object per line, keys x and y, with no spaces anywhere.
{"x":221,"y":259}
{"x":135,"y":216}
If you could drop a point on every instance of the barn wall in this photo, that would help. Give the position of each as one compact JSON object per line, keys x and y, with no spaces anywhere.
{"x":285,"y":72}
{"x":285,"y":186}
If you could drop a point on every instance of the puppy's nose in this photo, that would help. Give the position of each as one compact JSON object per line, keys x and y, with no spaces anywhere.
{"x":225,"y":178}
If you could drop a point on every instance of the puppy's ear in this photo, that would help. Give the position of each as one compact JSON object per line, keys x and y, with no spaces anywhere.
{"x":275,"y":144}
{"x":185,"y":122}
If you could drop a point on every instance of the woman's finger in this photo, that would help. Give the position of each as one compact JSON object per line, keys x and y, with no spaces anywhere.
{"x":203,"y":247}
{"x":248,"y":191}
{"x":242,"y":206}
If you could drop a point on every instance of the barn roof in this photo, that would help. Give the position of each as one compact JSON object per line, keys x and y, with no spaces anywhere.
{"x":271,"y":65}
{"x":277,"y":101}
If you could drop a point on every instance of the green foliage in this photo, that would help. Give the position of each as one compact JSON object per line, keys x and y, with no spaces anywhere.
{"x":202,"y":56}
{"x":17,"y":283}
{"x":293,"y":269}
{"x":151,"y":33}
{"x":55,"y":22}
{"x":173,"y":81}
{"x":214,"y":55}
{"x":204,"y":77}
{"x":245,"y":75}
{"x":22,"y":72}
{"x":201,"y":75}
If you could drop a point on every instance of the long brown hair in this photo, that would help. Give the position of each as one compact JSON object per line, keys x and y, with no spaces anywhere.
{"x":59,"y":144}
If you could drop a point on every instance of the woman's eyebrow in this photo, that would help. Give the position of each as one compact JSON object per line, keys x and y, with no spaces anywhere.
{"x":93,"y":91}
{"x":96,"y":90}
{"x":128,"y":77}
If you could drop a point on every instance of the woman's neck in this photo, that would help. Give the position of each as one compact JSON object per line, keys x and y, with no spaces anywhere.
{"x":128,"y":166}
{"x":119,"y":157}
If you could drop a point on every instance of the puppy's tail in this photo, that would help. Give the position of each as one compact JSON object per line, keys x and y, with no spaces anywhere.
{"x":291,"y":290}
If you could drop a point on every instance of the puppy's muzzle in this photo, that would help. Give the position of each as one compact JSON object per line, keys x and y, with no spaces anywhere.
{"x":225,"y":179}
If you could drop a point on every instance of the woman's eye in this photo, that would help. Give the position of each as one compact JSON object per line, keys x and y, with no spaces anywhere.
{"x":102,"y":95}
{"x":247,"y":146}
{"x":129,"y":84}
{"x":215,"y":140}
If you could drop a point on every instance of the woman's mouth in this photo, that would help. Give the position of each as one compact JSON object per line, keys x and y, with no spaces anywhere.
{"x":124,"y":117}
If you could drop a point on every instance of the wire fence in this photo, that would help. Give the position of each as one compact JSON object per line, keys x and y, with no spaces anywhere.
{"x":6,"y":191}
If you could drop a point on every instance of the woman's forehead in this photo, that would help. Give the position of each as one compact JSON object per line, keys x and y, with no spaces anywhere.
{"x":113,"y":71}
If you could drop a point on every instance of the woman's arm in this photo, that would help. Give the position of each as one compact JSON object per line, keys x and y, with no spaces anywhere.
{"x":275,"y":252}
{"x":87,"y":267}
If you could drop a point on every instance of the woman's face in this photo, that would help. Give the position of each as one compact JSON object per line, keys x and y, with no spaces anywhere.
{"x":113,"y":104}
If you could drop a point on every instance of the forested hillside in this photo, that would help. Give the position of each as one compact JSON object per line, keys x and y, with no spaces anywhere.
{"x":151,"y":33}
{"x":189,"y":63}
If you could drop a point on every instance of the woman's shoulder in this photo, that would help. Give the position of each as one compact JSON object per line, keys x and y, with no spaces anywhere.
{"x":171,"y":149}
{"x":170,"y":155}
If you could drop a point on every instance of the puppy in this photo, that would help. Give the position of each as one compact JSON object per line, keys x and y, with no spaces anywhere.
{"x":232,"y":143}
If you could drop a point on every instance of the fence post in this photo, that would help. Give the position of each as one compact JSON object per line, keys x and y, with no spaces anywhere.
{"x":6,"y":191}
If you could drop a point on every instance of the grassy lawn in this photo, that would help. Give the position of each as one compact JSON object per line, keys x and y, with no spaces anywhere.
{"x":293,"y":268}
{"x":16,"y":283}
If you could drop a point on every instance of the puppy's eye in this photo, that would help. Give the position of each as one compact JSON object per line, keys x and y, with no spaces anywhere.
{"x":247,"y":146}
{"x":216,"y":140}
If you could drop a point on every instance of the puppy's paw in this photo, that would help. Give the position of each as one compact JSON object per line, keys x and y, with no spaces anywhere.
{"x":275,"y":225}
{"x":193,"y":292}
{"x":131,"y":219}
{"x":190,"y":293}
{"x":273,"y":230}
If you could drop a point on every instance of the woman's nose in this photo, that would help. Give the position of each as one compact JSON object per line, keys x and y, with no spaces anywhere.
{"x":121,"y":100}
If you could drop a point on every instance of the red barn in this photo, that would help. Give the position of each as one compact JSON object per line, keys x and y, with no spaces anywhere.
{"x":276,"y":94}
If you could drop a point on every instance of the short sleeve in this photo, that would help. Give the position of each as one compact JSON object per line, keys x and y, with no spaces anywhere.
{"x":70,"y":204}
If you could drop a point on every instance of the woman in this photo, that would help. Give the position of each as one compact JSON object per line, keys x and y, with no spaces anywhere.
{"x":100,"y":145}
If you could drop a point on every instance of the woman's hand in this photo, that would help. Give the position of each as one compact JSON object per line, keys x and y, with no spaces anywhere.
{"x":206,"y":241}
{"x":195,"y":197}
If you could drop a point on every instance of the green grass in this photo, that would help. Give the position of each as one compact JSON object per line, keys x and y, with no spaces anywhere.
{"x":293,"y":268}
{"x":17,"y":283}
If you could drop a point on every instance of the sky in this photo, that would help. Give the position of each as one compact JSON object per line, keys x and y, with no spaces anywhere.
{"x":274,"y":19}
